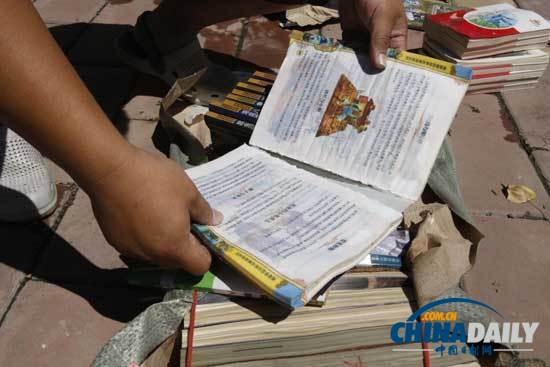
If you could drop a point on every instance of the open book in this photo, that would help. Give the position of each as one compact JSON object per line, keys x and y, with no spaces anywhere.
{"x":354,"y":147}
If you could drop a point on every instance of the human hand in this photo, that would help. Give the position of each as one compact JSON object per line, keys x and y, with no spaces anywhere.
{"x":144,"y":209}
{"x":385,"y":21}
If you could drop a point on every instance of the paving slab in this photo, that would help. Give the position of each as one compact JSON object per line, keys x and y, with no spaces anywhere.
{"x":542,"y":159}
{"x":96,"y":46}
{"x":20,"y":246}
{"x":222,"y":37}
{"x":540,"y":6}
{"x":56,"y":326}
{"x":142,"y":107}
{"x":511,"y":274}
{"x":68,"y":11}
{"x":139,"y":133}
{"x":265,"y":43}
{"x":57,"y":174}
{"x":531,"y":112}
{"x":109,"y":85}
{"x":489,"y":155}
{"x":124,"y":12}
{"x":78,"y":252}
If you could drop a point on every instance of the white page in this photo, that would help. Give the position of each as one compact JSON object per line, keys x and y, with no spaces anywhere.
{"x":413,"y":109}
{"x":303,"y":226}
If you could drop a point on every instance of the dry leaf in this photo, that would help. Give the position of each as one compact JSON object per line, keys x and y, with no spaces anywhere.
{"x":520,"y":194}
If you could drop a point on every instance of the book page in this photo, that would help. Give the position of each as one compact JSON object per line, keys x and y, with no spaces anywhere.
{"x":286,"y":224}
{"x":381,"y":128}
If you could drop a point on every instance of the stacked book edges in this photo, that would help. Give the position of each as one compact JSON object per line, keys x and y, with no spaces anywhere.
{"x":510,"y":71}
{"x":353,"y":328}
{"x":505,"y":47}
{"x":232,"y":118}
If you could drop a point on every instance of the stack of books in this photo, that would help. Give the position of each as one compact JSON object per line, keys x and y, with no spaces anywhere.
{"x":505,"y":47}
{"x":232,"y":118}
{"x":352,"y":329}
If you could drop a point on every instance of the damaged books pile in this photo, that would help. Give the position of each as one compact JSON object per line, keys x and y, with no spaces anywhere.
{"x":505,"y":47}
{"x":310,"y":237}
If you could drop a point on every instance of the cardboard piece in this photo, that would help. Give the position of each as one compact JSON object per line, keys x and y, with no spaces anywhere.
{"x":185,"y":127}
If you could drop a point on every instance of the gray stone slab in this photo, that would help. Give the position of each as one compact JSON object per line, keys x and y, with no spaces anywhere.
{"x":489,"y":155}
{"x":540,"y":6}
{"x":78,"y":252}
{"x":531,"y":112}
{"x":20,"y":246}
{"x":542,"y":160}
{"x":51,"y":325}
{"x":511,"y":274}
{"x":68,"y":11}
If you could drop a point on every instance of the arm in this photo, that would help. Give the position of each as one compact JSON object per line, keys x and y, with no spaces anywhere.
{"x":143,"y":204}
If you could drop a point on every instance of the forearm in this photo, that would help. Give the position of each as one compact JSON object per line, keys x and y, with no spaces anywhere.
{"x":44,"y":100}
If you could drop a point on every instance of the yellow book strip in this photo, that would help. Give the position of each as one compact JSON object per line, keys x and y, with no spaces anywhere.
{"x":266,"y":76}
{"x":219,"y":116}
{"x":275,"y":284}
{"x":259,"y":82}
{"x":251,"y":87}
{"x":430,"y":63}
{"x":242,"y":99}
{"x":235,"y":104}
{"x":244,"y":93}
{"x":223,"y":105}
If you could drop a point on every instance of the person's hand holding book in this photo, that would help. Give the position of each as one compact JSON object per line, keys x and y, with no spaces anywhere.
{"x":384,"y":20}
{"x":144,"y":209}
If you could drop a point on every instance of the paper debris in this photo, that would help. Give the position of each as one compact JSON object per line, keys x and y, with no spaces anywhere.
{"x":520,"y":194}
{"x":438,"y":248}
{"x":309,"y":15}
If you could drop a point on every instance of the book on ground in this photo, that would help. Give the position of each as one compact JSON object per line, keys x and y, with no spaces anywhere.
{"x":338,"y":152}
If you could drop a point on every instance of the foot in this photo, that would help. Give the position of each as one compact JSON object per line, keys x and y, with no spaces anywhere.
{"x":26,"y":190}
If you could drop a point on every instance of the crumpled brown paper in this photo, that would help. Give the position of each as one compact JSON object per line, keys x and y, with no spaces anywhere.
{"x":439,"y":255}
{"x":309,"y":15}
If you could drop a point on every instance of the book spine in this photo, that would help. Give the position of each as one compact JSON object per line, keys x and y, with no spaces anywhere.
{"x":384,"y":260}
{"x":246,"y":100}
{"x":243,"y":93}
{"x":265,"y":76}
{"x":251,"y":88}
{"x":276,"y":285}
{"x":430,"y":63}
{"x":261,"y":83}
{"x":236,"y":110}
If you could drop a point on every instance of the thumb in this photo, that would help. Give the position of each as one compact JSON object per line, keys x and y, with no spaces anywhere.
{"x":381,"y":29}
{"x":201,"y":212}
{"x":191,"y":256}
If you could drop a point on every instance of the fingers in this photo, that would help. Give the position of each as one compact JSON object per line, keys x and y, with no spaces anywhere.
{"x":381,"y":35}
{"x":201,"y":212}
{"x":399,"y":33}
{"x":189,"y":254}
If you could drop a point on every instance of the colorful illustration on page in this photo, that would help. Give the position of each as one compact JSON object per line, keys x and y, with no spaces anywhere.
{"x":346,"y":108}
